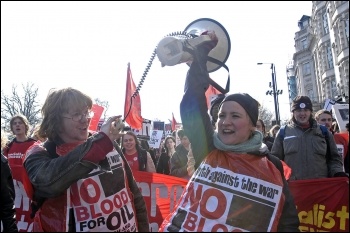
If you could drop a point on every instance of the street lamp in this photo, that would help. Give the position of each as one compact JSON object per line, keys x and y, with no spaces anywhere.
{"x":274,"y":91}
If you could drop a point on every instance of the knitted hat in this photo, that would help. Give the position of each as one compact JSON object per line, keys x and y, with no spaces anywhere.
{"x":301,"y":102}
{"x":250,"y":105}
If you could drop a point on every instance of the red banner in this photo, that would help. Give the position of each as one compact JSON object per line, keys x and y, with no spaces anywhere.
{"x":132,"y":106}
{"x":211,"y":91}
{"x":161,"y":192}
{"x":173,"y":123}
{"x":323,"y":204}
{"x":98,"y":110}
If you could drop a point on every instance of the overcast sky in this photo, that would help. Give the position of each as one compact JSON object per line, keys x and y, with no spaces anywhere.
{"x":88,"y":44}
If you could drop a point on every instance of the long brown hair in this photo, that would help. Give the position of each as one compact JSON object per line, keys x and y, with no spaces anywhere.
{"x":59,"y":102}
{"x":166,"y":139}
{"x":137,"y":143}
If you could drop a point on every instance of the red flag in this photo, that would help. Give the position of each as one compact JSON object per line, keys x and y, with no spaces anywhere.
{"x":210,"y":93}
{"x":173,"y":123}
{"x":132,"y":106}
{"x":98,"y":110}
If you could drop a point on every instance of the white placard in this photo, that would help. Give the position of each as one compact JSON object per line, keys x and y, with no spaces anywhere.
{"x":341,"y":113}
{"x":156,"y":138}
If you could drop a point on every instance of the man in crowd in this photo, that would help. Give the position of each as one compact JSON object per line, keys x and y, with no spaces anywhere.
{"x":305,"y":148}
{"x":15,"y":152}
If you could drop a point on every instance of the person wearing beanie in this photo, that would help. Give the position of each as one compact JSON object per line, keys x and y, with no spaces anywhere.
{"x":222,"y":194}
{"x":305,"y":148}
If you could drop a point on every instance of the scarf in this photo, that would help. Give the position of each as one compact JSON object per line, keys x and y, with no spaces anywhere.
{"x":253,"y":144}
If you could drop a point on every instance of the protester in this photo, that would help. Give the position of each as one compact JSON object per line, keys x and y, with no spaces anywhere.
{"x":144,"y":144}
{"x":304,"y":147}
{"x":179,"y":160}
{"x":260,"y":125}
{"x":324,"y":117}
{"x":163,"y":166}
{"x":15,"y":152}
{"x":342,"y":141}
{"x":272,"y":133}
{"x":81,"y":183}
{"x":7,"y":210}
{"x":138,"y":158}
{"x":223,"y":194}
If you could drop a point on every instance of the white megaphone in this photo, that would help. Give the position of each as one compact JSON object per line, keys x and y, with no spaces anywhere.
{"x":170,"y":49}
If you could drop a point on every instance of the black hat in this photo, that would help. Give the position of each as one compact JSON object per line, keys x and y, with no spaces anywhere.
{"x":250,"y":105}
{"x":301,"y":102}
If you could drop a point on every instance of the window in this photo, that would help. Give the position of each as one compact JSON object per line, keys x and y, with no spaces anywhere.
{"x":329,"y":57}
{"x":346,"y":23}
{"x":325,"y":23}
{"x":304,"y":43}
{"x":306,"y":69}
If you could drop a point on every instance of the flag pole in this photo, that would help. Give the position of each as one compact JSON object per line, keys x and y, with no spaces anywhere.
{"x":127,"y":114}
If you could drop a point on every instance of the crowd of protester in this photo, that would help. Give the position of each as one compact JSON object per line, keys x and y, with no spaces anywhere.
{"x":63,"y":168}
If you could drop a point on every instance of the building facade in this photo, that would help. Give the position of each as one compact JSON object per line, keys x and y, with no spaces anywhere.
{"x":320,"y":66}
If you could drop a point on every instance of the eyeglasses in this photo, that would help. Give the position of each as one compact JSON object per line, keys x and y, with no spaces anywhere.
{"x":79,"y":116}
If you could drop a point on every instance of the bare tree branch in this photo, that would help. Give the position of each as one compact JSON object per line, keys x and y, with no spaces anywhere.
{"x":25,"y":104}
{"x":266,"y":115}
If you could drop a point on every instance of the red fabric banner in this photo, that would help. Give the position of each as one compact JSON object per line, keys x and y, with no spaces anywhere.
{"x":133,"y":117}
{"x":173,"y":123}
{"x":161,"y":193}
{"x":210,"y":93}
{"x":98,"y":110}
{"x":322,"y":204}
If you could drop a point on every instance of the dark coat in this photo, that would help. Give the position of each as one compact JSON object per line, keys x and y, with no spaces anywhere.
{"x":163,"y":164}
{"x":7,"y":210}
{"x":51,"y":174}
{"x":178,"y":162}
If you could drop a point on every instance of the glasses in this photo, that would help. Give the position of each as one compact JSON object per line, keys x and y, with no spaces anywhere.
{"x":79,"y":116}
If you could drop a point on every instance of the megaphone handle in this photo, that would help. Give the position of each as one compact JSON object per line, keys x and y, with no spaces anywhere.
{"x":213,"y":83}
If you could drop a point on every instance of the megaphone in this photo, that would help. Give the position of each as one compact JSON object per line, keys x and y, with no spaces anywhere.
{"x":171,"y":49}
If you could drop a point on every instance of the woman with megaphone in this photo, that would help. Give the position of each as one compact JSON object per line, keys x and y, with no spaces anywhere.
{"x":237,"y":185}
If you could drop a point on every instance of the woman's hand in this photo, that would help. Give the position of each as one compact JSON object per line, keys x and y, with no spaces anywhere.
{"x":113,"y":127}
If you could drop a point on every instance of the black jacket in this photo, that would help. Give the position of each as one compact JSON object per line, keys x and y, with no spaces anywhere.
{"x":7,"y":210}
{"x":163,"y":164}
{"x":51,"y":174}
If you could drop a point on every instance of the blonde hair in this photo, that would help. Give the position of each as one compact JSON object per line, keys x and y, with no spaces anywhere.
{"x":4,"y":139}
{"x":275,"y":127}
